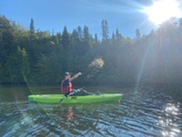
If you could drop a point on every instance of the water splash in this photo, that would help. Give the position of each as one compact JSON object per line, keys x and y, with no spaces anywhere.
{"x":94,"y":67}
{"x":98,"y":63}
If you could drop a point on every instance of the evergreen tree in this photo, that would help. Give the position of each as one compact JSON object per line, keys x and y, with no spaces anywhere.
{"x":138,"y":35}
{"x":95,"y":41}
{"x":86,"y":42}
{"x":86,"y":33}
{"x":105,"y":30}
{"x":118,"y":35}
{"x":32,"y":30}
{"x":6,"y":36}
{"x":66,"y":47}
{"x":95,"y":38}
{"x":76,"y":43}
{"x":80,"y":33}
{"x":65,"y":39}
{"x":113,"y":37}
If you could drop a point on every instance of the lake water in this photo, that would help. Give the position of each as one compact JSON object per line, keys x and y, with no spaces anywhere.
{"x":144,"y":112}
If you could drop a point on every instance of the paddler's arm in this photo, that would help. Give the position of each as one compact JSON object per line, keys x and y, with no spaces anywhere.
{"x":75,"y":76}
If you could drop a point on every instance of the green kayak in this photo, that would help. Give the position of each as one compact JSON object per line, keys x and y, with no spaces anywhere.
{"x":60,"y":98}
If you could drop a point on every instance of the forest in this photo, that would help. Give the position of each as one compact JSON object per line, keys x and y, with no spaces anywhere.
{"x":31,"y":56}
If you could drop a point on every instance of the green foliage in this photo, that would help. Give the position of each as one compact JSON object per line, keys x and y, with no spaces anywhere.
{"x":49,"y":69}
{"x":35,"y":56}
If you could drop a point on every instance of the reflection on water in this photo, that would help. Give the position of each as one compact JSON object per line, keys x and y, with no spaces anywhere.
{"x":70,"y":114}
{"x":144,"y":113}
{"x":170,"y":120}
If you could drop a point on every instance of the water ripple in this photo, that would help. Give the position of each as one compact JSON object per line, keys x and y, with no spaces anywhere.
{"x":139,"y":114}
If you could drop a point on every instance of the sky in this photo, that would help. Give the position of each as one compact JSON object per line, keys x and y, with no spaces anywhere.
{"x":53,"y":15}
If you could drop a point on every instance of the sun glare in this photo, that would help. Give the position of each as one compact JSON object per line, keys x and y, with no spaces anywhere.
{"x":163,"y":10}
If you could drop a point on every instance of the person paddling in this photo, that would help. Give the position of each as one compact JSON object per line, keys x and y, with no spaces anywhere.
{"x":66,"y":85}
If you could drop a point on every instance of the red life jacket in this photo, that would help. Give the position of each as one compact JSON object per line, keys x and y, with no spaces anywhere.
{"x":67,"y":89}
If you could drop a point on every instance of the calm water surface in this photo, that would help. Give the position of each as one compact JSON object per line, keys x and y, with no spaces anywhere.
{"x":140,"y":113}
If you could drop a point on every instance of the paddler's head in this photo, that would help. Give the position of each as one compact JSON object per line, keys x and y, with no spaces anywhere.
{"x":67,"y":75}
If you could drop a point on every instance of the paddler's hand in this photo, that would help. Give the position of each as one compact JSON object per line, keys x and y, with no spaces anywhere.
{"x":77,"y":74}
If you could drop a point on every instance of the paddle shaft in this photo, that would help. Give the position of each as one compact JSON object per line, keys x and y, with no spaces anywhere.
{"x":78,"y":90}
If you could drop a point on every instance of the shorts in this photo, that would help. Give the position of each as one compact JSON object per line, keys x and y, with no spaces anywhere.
{"x":73,"y":92}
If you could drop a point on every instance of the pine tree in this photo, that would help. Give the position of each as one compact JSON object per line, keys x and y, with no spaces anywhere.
{"x":118,"y":35}
{"x":65,"y":38}
{"x":79,"y":30}
{"x":95,"y":38}
{"x":86,"y":33}
{"x":86,"y":43}
{"x":105,"y":30}
{"x":32,"y":30}
{"x":138,"y":35}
